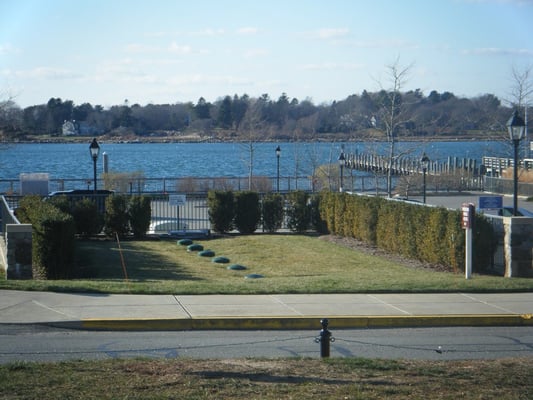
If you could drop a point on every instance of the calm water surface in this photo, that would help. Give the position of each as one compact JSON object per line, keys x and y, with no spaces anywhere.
{"x":72,"y":161}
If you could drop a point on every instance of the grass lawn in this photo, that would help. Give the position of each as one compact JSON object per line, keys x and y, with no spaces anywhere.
{"x":288,"y":264}
{"x":266,"y":379}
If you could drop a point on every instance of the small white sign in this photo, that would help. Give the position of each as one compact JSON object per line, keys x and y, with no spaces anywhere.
{"x":177,"y":200}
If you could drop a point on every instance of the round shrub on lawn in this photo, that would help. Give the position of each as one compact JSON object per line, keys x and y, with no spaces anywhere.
{"x":185,"y":242}
{"x":253,"y":276}
{"x":221,"y":260}
{"x":237,"y":267}
{"x":206,"y":253}
{"x":195,"y":247}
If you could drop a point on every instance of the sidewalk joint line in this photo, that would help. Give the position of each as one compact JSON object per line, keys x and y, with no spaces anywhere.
{"x":389,"y":305}
{"x":51,"y":309}
{"x":286,"y":305}
{"x":180,"y":304}
{"x":488,"y":304}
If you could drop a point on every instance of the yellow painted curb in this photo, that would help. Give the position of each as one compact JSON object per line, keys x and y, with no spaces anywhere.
{"x":128,"y":324}
{"x":304,"y":323}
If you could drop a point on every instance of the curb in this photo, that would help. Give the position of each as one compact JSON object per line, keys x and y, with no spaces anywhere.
{"x":296,"y":323}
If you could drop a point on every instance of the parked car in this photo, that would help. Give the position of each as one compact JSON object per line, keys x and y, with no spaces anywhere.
{"x":80,"y":194}
{"x":165,"y":226}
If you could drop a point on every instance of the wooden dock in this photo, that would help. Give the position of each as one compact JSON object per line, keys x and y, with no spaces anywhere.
{"x":407,"y":165}
{"x":494,"y":166}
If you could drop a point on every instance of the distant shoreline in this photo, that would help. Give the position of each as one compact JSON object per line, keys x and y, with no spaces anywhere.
{"x":190,"y":139}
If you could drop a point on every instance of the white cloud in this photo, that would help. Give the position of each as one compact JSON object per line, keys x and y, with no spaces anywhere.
{"x":48,"y":73}
{"x":498,"y":51}
{"x":385,"y":43}
{"x":331,"y":33}
{"x":180,"y":49}
{"x":332,"y":66}
{"x":7,"y":48}
{"x":253,"y":53}
{"x":209,"y":32}
{"x":141,"y":48}
{"x":203,"y":79}
{"x":247,"y":31}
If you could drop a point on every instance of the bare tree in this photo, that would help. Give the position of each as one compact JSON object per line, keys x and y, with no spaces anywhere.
{"x":521,"y":91}
{"x":522,"y":87}
{"x":391,"y":112}
{"x":252,"y":125}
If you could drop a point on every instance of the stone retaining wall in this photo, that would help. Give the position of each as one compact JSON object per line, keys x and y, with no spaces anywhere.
{"x":18,"y":249}
{"x":518,"y":247}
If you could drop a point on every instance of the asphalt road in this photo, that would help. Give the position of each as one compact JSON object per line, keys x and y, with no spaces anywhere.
{"x":41,"y":343}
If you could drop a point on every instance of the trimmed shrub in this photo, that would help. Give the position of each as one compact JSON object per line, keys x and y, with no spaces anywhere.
{"x":272,"y":212}
{"x":195,"y":247}
{"x":299,"y":212}
{"x":87,"y":218}
{"x":52,"y":238}
{"x":62,"y":202}
{"x":317,"y":223}
{"x":221,"y":210}
{"x":220,"y":260}
{"x":140,"y":214}
{"x":247,"y":212}
{"x":116,"y":217}
{"x":429,"y":234}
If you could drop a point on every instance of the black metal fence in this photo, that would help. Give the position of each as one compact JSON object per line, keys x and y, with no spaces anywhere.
{"x":140,"y":185}
{"x":505,"y":186}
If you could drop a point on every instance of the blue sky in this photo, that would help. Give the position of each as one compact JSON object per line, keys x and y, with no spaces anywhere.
{"x":104,"y":52}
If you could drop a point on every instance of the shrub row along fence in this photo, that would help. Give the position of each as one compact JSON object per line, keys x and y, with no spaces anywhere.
{"x":56,"y":220}
{"x":429,"y":234}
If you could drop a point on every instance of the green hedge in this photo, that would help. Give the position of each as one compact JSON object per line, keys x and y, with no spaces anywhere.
{"x":429,"y":234}
{"x":247,"y":212}
{"x":116,"y":216}
{"x":299,"y":211}
{"x":53,"y":241}
{"x":221,"y":205}
{"x":272,"y":212}
{"x":140,"y":214}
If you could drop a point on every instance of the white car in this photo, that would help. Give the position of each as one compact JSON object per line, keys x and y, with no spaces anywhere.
{"x":165,"y":226}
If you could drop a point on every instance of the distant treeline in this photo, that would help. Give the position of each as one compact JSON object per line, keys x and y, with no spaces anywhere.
{"x":436,"y":115}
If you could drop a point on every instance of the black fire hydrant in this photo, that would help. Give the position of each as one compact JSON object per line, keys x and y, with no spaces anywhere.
{"x":325,"y":338}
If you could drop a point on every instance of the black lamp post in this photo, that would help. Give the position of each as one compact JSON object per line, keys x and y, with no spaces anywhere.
{"x":516,"y":127}
{"x":278,"y":154}
{"x":94,"y":148}
{"x":342,"y":161}
{"x":425,"y":164}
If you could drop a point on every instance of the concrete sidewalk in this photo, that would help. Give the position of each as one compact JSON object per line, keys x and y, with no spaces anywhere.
{"x":291,"y":311}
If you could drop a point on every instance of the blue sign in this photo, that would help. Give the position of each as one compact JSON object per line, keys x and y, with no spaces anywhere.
{"x":490,"y":202}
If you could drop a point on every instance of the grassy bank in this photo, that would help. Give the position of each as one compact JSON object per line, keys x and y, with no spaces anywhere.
{"x":269,"y":379}
{"x":288,"y":264}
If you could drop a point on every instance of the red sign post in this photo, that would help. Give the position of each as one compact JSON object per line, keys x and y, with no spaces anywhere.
{"x":469,"y":211}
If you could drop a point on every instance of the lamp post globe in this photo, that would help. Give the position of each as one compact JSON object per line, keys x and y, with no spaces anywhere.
{"x":94,"y":150}
{"x":516,"y":128}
